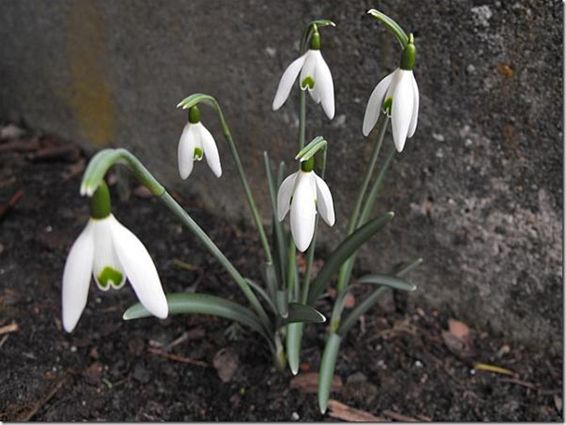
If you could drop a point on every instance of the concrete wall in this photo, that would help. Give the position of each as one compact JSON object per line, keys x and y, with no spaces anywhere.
{"x":477,"y":191}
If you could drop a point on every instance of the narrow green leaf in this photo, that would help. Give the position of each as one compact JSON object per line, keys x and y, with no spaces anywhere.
{"x":304,"y":313}
{"x":393,"y":282}
{"x":326,"y":373}
{"x":294,"y":337}
{"x":185,"y":303}
{"x":348,"y":247}
{"x":282,"y":302}
{"x":391,"y":25}
{"x":369,"y":301}
{"x":263,"y":294}
{"x":279,"y":238}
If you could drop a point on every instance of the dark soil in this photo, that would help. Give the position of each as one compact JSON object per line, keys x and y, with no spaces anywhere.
{"x":398,"y":360}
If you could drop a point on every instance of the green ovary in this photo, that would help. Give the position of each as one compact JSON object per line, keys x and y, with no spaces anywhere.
{"x":109,"y":276}
{"x":307,"y":82}
{"x":388,"y":105}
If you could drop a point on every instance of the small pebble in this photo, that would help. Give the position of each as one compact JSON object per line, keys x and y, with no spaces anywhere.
{"x":73,"y":349}
{"x":295,"y":416}
{"x":419,"y":364}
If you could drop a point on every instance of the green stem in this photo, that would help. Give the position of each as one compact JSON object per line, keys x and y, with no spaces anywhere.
{"x":302,"y":118}
{"x":379,"y":131}
{"x":244,"y":181}
{"x":187,"y":220}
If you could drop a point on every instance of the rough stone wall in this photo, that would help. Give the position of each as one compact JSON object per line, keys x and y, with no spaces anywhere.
{"x":477,"y":191}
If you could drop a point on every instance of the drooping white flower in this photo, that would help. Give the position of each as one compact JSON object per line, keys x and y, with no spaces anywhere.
{"x":110,"y":253}
{"x":315,"y":77}
{"x":400,"y":90}
{"x":303,"y":193}
{"x":196,"y":142}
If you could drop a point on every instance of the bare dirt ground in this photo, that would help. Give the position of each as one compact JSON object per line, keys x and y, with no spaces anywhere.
{"x":404,"y":361}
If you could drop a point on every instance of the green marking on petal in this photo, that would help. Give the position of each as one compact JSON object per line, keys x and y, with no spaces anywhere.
{"x":109,"y":276}
{"x":387,"y":105}
{"x":198,"y":154}
{"x":308,"y":82}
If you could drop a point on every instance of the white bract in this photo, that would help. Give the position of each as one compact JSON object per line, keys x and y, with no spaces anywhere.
{"x":402,"y":88}
{"x":196,"y":142}
{"x":110,"y":253}
{"x":315,"y":77}
{"x":303,"y":193}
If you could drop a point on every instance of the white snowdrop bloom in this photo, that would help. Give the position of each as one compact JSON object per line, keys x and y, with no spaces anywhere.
{"x":303,"y":193}
{"x":400,"y":87}
{"x":315,"y":77}
{"x":111,"y":254}
{"x":196,"y":142}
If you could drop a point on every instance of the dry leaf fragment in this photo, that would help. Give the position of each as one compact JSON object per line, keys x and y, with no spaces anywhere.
{"x":226,"y":363}
{"x":349,"y":414}
{"x":308,"y":383}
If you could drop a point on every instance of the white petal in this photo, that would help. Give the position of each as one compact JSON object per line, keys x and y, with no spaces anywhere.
{"x":309,"y":68}
{"x":402,"y":109}
{"x":284,"y":196}
{"x":375,"y":102}
{"x":140,"y":270}
{"x":286,"y":82}
{"x":303,"y":210}
{"x":415,"y":114}
{"x":210,"y":151}
{"x":324,"y":201}
{"x":76,"y":278}
{"x":105,"y":262}
{"x":324,"y":85}
{"x":185,"y":152}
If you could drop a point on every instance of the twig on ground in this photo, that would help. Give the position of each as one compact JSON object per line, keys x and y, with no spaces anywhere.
{"x":399,"y":417}
{"x":177,"y":358}
{"x":12,"y":327}
{"x":26,"y":416}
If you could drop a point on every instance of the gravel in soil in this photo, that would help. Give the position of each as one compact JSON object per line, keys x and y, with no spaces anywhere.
{"x":403,"y":361}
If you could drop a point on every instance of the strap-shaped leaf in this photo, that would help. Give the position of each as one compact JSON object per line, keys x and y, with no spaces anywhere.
{"x":368,"y":302}
{"x":304,"y":313}
{"x":348,"y":247}
{"x":202,"y":304}
{"x":393,"y":282}
{"x":326,"y":372}
{"x":263,"y":294}
{"x":293,"y":348}
{"x":282,"y":303}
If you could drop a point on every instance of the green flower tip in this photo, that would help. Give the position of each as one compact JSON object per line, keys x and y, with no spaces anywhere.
{"x":308,"y":166}
{"x":308,"y":82}
{"x":100,"y":205}
{"x":109,"y":276}
{"x":194,"y":114}
{"x":409,"y":55}
{"x":315,"y":40}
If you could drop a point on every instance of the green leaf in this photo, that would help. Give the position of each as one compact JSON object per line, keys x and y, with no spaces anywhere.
{"x":311,"y":149}
{"x":347,"y":248}
{"x":279,"y":237}
{"x":326,"y":372}
{"x":369,"y":301}
{"x":393,"y":282}
{"x":293,"y":349}
{"x":391,"y":25}
{"x":263,"y":294}
{"x":195,"y":303}
{"x":304,"y":313}
{"x":270,"y":278}
{"x":282,"y":302}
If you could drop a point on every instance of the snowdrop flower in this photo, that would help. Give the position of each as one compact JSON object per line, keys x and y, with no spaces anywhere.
{"x":303,"y":193}
{"x":110,"y":253}
{"x":400,"y":88}
{"x":315,"y":77}
{"x":196,"y":142}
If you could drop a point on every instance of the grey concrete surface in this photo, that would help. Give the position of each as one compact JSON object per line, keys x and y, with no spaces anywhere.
{"x":477,"y":191}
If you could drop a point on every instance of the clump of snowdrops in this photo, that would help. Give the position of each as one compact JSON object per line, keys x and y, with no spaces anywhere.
{"x":279,"y":307}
